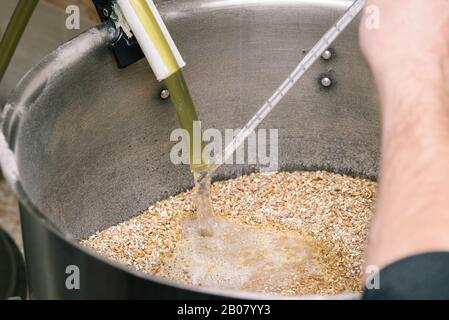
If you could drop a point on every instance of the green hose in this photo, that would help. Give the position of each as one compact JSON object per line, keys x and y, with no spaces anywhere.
{"x":186,"y":112}
{"x":14,"y":31}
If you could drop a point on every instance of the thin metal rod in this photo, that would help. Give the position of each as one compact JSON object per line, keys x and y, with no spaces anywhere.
{"x":14,"y":31}
{"x":313,"y":55}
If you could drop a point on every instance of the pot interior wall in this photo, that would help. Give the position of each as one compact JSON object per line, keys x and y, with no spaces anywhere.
{"x":93,"y":149}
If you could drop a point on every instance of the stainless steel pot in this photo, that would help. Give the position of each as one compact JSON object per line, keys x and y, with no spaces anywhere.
{"x":86,"y":145}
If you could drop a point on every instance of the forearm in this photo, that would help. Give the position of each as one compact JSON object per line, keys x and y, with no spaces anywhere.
{"x":412,"y":213}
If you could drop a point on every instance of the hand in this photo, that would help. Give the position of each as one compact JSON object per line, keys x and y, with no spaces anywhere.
{"x":409,"y":57}
{"x":412,"y":38}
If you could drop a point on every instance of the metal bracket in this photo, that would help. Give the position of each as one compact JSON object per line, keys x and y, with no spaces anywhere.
{"x":126,"y":50}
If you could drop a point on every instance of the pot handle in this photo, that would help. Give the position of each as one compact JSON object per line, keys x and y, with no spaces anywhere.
{"x":13,"y":284}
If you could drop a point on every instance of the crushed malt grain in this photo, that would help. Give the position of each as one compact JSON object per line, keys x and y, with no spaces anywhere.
{"x":288,"y":233}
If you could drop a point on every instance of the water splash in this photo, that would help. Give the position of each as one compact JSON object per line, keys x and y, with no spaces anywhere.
{"x":240,"y":257}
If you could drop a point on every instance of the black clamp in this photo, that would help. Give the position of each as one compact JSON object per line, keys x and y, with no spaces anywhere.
{"x":126,"y":50}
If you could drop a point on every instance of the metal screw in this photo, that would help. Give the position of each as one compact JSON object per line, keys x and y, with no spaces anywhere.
{"x":326,"y":82}
{"x":327,"y":55}
{"x":165,"y":94}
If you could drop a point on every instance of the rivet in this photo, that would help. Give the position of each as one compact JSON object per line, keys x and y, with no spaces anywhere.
{"x":326,"y":82}
{"x":165,"y":94}
{"x":327,"y":55}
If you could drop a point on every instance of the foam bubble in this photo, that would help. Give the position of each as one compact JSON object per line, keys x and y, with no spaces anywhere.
{"x":240,"y":257}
